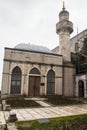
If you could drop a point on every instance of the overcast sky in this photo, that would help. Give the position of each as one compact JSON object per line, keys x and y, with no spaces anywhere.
{"x":34,"y":22}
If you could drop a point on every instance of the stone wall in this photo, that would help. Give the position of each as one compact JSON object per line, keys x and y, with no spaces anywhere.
{"x":69,"y":80}
{"x":26,"y":61}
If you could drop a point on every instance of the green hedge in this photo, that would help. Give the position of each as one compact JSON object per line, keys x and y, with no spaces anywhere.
{"x":61,"y":100}
{"x":20,"y":102}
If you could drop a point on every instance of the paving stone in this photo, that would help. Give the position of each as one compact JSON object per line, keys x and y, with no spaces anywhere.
{"x":11,"y":126}
{"x":44,"y":104}
{"x":46,"y":112}
{"x":44,"y":120}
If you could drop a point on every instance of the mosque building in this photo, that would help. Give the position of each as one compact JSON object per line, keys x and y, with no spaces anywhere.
{"x":34,"y":70}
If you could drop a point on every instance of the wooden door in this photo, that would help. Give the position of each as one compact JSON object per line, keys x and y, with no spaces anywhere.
{"x":34,"y":86}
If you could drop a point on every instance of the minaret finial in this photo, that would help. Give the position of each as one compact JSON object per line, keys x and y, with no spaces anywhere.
{"x":63,"y":6}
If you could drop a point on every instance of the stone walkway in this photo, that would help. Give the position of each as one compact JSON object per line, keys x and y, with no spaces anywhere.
{"x":44,"y":104}
{"x":40,"y":101}
{"x":36,"y":99}
{"x":47,"y":112}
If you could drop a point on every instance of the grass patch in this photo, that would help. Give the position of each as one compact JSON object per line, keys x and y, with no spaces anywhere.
{"x":60,"y":100}
{"x":20,"y":102}
{"x":78,"y":122}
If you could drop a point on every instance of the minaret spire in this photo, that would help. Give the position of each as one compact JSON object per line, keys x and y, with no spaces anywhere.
{"x":63,"y":5}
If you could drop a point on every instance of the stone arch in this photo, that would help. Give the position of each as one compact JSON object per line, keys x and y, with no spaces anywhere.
{"x":14,"y":66}
{"x":34,"y":71}
{"x":34,"y":82}
{"x":81,"y":88}
{"x":32,"y":68}
{"x":50,"y":82}
{"x":48,"y":69}
{"x":16,"y":81}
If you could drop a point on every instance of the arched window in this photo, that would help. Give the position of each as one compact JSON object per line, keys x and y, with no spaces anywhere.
{"x":51,"y":82}
{"x":16,"y":81}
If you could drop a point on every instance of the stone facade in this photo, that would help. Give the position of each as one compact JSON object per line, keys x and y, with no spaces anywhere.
{"x":69,"y":79}
{"x":81,"y":79}
{"x":26,"y":61}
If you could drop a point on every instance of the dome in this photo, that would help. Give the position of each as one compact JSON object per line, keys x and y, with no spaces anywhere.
{"x":64,"y":12}
{"x":36,"y":48}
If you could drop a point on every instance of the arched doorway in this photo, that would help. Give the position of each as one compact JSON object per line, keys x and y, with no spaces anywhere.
{"x":81,"y":88}
{"x":16,"y":81}
{"x":51,"y":82}
{"x":34,"y":83}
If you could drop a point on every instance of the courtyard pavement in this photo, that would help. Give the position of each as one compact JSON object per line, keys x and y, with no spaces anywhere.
{"x":44,"y":112}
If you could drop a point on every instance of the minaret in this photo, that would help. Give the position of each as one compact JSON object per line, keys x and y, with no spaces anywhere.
{"x":64,"y":28}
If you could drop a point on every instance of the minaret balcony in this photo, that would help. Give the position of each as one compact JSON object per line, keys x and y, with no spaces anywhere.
{"x":64,"y":25}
